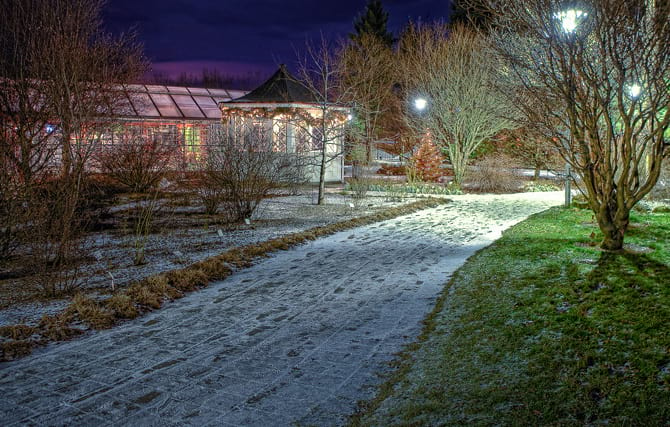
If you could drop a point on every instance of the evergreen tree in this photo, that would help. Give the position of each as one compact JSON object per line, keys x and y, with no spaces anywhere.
{"x":428,"y":162}
{"x":373,"y":20}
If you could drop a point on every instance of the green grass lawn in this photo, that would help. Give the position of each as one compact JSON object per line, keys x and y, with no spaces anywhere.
{"x":543,"y":329}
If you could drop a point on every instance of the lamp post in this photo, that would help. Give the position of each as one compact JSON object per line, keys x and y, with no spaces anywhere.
{"x":419,"y":104}
{"x":569,"y":20}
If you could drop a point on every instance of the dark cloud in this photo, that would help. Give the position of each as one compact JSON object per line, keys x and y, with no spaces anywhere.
{"x":262,"y":32}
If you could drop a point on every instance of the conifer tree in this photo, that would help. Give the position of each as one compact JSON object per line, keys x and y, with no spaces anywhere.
{"x":373,"y":20}
{"x":428,"y":162}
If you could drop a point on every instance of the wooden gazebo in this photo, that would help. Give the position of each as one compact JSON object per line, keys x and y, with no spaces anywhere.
{"x":294,"y":116}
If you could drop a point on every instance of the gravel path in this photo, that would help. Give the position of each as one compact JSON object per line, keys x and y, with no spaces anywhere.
{"x":297,"y":338}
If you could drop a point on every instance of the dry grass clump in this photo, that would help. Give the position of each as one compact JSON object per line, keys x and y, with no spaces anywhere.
{"x":188,"y":279}
{"x":142,"y":296}
{"x":150,"y":292}
{"x":17,"y":332}
{"x":57,"y":328}
{"x":236,"y":258}
{"x":214,"y":268}
{"x":122,"y":306}
{"x":91,"y":312}
{"x":15,"y":349}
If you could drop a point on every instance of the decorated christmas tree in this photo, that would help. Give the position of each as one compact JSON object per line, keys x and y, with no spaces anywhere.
{"x":428,"y":161}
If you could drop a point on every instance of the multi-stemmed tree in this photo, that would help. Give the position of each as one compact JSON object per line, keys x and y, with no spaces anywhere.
{"x":595,"y":79}
{"x":456,"y":72}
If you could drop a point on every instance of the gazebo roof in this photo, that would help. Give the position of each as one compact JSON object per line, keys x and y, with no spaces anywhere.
{"x":281,"y":88}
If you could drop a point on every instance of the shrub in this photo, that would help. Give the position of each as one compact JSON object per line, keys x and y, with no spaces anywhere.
{"x":540,"y":186}
{"x":135,"y":160}
{"x":495,"y":174}
{"x":242,"y":169}
{"x":359,"y":188}
{"x":391,"y":170}
{"x":57,"y":224}
{"x":398,"y":190}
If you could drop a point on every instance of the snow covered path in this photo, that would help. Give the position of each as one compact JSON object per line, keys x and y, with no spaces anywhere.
{"x":299,"y":337}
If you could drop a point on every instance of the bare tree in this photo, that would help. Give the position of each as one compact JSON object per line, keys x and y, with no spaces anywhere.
{"x":60,"y":78}
{"x":24,"y":113}
{"x":84,"y":75}
{"x":596,"y":80}
{"x":366,"y":69}
{"x":242,"y":167}
{"x":320,"y":74}
{"x":456,"y":72}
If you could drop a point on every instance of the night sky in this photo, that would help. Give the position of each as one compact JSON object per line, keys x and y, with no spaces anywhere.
{"x":246,"y":36}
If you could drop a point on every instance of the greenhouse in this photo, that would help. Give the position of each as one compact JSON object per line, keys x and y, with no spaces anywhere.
{"x":173,"y":115}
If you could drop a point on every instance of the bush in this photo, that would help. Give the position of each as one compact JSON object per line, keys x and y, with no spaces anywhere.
{"x":58,"y":219}
{"x":495,"y":174}
{"x":242,"y":169}
{"x":540,"y":186}
{"x":359,"y":188}
{"x":391,"y":170}
{"x":12,"y":219}
{"x":136,"y":161}
{"x":397,"y":190}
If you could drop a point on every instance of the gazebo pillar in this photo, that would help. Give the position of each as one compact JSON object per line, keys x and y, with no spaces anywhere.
{"x":290,"y":137}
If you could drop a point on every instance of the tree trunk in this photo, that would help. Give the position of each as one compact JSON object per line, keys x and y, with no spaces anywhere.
{"x":613,"y":225}
{"x":322,"y":176}
{"x":458,"y":163}
{"x":66,"y":154}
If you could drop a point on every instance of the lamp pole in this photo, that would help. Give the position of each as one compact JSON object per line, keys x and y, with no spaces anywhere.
{"x":569,"y":20}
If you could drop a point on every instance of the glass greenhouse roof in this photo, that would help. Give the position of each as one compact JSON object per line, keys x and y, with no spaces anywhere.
{"x":176,"y":102}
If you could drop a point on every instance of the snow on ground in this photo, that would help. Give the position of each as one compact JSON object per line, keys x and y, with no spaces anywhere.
{"x":299,"y":337}
{"x":183,"y":236}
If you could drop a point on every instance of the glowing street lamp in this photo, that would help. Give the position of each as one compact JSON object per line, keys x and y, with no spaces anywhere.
{"x":420,"y":104}
{"x":570,"y":19}
{"x":634,"y":90}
